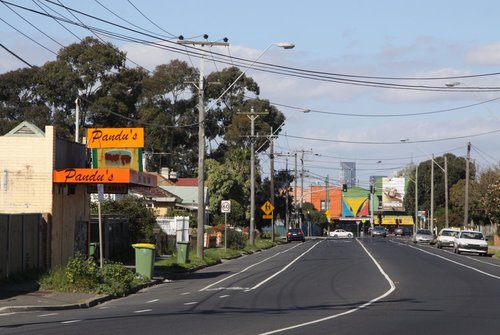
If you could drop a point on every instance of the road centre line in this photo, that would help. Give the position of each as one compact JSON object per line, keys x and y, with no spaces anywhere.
{"x":247,"y":268}
{"x":284,"y":268}
{"x":388,"y":292}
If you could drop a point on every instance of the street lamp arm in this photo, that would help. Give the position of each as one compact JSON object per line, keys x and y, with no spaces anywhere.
{"x":281,"y":45}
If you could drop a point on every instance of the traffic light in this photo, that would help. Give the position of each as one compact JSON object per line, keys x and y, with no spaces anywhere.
{"x":344,"y":187}
{"x":379,"y":215}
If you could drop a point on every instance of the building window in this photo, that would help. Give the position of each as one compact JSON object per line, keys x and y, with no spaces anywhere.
{"x":322,"y":205}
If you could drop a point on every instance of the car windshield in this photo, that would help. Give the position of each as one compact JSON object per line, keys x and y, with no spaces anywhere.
{"x":472,"y":235}
{"x":379,"y":228}
{"x":424,"y":232}
{"x":448,"y":233}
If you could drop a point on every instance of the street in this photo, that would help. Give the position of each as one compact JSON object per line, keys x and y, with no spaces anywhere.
{"x":325,"y":286}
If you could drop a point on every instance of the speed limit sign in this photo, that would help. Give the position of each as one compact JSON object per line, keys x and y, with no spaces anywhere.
{"x":225,"y":206}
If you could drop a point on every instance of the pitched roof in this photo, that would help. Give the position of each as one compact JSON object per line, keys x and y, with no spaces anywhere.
{"x":186,"y":182}
{"x":26,"y":129}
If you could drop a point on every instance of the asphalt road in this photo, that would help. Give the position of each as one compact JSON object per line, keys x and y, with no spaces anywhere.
{"x":366,"y":286}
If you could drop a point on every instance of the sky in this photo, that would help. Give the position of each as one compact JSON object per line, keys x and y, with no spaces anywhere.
{"x":423,"y":76}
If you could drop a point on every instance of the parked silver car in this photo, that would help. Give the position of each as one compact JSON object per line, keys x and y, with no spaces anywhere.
{"x":422,"y":236}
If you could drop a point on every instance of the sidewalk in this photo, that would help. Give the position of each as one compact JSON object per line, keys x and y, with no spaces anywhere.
{"x":29,"y":297}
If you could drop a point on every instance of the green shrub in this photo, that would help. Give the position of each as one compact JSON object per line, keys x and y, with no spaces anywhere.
{"x":116,"y":279}
{"x":84,"y":275}
{"x":236,"y":239}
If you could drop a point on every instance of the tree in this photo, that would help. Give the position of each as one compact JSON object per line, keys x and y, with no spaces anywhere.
{"x":485,"y":197}
{"x":226,"y":182}
{"x":141,"y":218}
{"x":456,"y":172}
{"x":168,"y":101}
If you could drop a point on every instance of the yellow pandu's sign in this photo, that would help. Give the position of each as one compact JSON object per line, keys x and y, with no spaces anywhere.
{"x":115,"y":137}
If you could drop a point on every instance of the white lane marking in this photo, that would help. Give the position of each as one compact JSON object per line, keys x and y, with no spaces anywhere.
{"x":224,"y":296}
{"x":48,"y":314}
{"x":235,"y":288}
{"x":448,"y":252}
{"x":185,"y":293}
{"x":191,"y":303}
{"x":247,"y":268}
{"x":457,"y":263}
{"x":391,"y":289}
{"x":151,"y":301}
{"x":143,"y":311}
{"x":71,"y":321}
{"x":284,"y":268}
{"x":6,"y":314}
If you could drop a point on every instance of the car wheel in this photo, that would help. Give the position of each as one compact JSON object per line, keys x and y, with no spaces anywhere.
{"x":334,"y":236}
{"x":349,"y":235}
{"x":438,"y":245}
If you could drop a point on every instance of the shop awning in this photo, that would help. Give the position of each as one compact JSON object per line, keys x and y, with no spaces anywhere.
{"x":402,"y":220}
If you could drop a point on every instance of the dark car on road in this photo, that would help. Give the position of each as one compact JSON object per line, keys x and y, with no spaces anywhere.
{"x":295,"y":234}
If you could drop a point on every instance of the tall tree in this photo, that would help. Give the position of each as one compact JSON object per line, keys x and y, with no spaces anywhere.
{"x":168,"y":103}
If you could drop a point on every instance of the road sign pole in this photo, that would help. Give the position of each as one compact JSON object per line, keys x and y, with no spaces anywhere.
{"x":225,"y":231}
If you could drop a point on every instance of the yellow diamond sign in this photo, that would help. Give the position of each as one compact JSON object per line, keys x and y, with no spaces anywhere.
{"x":267,"y":208}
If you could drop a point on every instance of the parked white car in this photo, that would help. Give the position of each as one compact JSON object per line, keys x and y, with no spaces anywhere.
{"x":446,"y":237}
{"x":341,"y":233}
{"x":470,"y":241}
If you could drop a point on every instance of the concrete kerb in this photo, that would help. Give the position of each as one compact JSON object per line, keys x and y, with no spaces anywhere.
{"x":79,"y":305}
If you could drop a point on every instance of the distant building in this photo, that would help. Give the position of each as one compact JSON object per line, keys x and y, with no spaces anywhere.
{"x":348,"y":173}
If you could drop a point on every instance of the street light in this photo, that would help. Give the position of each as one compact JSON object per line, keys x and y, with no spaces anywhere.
{"x":201,"y":131}
{"x":284,"y":45}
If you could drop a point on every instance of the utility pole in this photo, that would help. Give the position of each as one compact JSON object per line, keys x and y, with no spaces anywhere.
{"x":447,"y":224}
{"x":416,"y":198}
{"x":327,"y":201}
{"x":432,"y":195}
{"x":77,"y":119}
{"x":287,"y":210}
{"x":372,"y":201}
{"x":295,"y":192}
{"x":252,"y":115}
{"x":301,"y":188}
{"x":271,"y":178}
{"x":466,"y":199}
{"x":201,"y":144}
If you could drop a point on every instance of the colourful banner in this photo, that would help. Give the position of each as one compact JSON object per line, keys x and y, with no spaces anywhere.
{"x":125,"y":158}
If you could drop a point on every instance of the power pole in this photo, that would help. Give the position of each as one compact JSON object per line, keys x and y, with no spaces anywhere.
{"x":271,"y":178}
{"x":295,"y":192}
{"x":416,"y":198}
{"x":327,"y":201}
{"x":252,"y":115}
{"x":201,"y":144}
{"x":466,"y":200}
{"x":287,"y":210}
{"x":447,"y":224}
{"x":301,"y":188}
{"x":432,"y":195}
